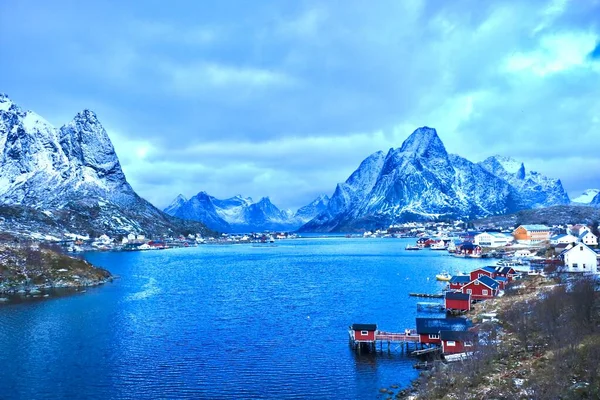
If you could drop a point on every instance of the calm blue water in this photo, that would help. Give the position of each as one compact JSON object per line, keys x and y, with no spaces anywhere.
{"x":223,"y":322}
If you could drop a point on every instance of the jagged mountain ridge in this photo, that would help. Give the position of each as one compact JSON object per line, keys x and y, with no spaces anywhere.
{"x":421,"y":181}
{"x":238,"y":214}
{"x":73,"y":170}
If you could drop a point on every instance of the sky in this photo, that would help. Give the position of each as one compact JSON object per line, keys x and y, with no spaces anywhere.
{"x":286,"y":98}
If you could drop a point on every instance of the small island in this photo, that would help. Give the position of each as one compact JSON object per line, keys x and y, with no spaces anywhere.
{"x":30,"y":268}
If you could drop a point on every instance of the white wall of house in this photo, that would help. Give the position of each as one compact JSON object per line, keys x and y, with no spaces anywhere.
{"x":589,"y":238}
{"x":563,"y":239}
{"x":486,"y":239}
{"x":580,"y":259}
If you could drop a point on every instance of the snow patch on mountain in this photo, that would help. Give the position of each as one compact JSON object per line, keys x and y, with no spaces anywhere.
{"x":587,"y":196}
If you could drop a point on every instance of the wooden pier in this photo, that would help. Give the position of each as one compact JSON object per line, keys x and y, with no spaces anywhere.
{"x":387,"y":341}
{"x":427,"y":295}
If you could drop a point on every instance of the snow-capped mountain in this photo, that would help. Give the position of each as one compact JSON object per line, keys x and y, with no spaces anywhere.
{"x":72,"y":170}
{"x":595,"y":201}
{"x":311,"y":210}
{"x":240,"y":214}
{"x":586,"y":197}
{"x":531,"y":189}
{"x":421,"y":181}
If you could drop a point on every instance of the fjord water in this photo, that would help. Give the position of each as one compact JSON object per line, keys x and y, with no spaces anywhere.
{"x":231,"y":321}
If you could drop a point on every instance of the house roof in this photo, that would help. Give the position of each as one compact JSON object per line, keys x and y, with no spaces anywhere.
{"x":459,"y":336}
{"x":498,"y":270}
{"x":577,"y":246}
{"x":536,"y":227}
{"x":457,"y":296}
{"x":364,"y":327}
{"x":489,"y":282}
{"x":435,"y":325}
{"x":460,"y":279}
{"x":488,"y":269}
{"x":500,"y":279}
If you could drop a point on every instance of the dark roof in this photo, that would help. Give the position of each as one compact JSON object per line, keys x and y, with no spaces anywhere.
{"x":460,"y":336}
{"x":364,"y":327}
{"x":487,"y":281}
{"x":457,"y":296}
{"x":460,"y":279}
{"x":501,"y":279}
{"x":489,"y":269}
{"x":435,"y":325}
{"x":505,"y":270}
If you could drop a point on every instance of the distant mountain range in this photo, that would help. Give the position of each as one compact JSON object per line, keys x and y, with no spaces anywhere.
{"x":71,"y":175}
{"x":421,"y":181}
{"x":240,"y":214}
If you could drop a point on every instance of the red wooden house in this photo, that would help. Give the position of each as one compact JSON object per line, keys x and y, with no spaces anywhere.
{"x":457,"y":341}
{"x":364,"y":332}
{"x":502,"y":272}
{"x":458,"y":281}
{"x":482,"y":288}
{"x":429,"y":329}
{"x":502,"y":282}
{"x":457,"y":301}
{"x":476,"y":273}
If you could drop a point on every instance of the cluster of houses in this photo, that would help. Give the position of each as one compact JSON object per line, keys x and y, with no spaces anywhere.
{"x":452,"y":334}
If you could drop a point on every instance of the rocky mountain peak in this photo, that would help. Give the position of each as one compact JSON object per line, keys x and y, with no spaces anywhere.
{"x":424,"y":142}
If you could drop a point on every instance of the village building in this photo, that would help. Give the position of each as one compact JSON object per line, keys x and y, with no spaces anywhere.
{"x":581,"y":259}
{"x":578,"y":229}
{"x":492,"y":239}
{"x":468,"y":249}
{"x":364,"y":332}
{"x":531,"y":234}
{"x":458,"y":281}
{"x":563,"y":239}
{"x":479,"y":272}
{"x":588,"y":238}
{"x":457,"y":301}
{"x":457,"y":341}
{"x":501,"y":272}
{"x":482,"y":288}
{"x":429,"y":329}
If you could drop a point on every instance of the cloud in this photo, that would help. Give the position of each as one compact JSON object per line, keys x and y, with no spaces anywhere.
{"x":285,"y":100}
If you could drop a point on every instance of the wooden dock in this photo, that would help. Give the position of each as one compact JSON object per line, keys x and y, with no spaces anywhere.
{"x":427,"y":295}
{"x":388,"y":341}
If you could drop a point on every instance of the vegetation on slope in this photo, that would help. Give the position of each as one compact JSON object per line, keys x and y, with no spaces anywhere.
{"x":30,"y":267}
{"x":547,"y":346}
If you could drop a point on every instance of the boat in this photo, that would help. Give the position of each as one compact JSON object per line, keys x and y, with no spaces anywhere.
{"x":412,"y":247}
{"x":444,"y":276}
{"x":438,"y":246}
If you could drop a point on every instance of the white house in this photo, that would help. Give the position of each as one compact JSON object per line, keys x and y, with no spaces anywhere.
{"x":523,"y":253}
{"x":578,"y":229}
{"x":588,"y":238}
{"x":563,"y":239}
{"x":131,"y":237}
{"x":492,"y":239}
{"x":580,"y":259}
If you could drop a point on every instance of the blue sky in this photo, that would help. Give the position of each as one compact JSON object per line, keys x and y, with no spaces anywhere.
{"x":285,"y":99}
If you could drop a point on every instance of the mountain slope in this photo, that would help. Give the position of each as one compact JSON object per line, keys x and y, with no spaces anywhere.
{"x":73,"y":169}
{"x":421,"y":181}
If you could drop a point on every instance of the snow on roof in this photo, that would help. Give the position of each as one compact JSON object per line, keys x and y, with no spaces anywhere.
{"x":536,"y":227}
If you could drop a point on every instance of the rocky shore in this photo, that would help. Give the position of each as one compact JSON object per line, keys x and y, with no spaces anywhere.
{"x":30,"y":270}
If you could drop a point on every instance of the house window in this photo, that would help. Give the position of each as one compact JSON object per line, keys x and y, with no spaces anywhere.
{"x":477,"y":282}
{"x":468,"y":344}
{"x":583,"y":266}
{"x":450,"y":343}
{"x":575,"y":265}
{"x":363,"y":333}
{"x":434,"y":336}
{"x":580,"y":248}
{"x":469,"y":291}
{"x":484,"y":292}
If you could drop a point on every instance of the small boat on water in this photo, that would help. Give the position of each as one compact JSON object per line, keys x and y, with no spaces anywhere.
{"x":438,"y":246}
{"x":412,"y":247}
{"x":444,"y":276}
